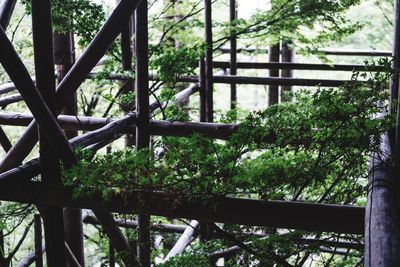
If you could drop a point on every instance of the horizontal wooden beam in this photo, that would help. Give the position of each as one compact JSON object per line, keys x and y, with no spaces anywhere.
{"x":332,"y":52}
{"x":163,"y":128}
{"x":229,"y":79}
{"x":276,"y":214}
{"x":165,"y":228}
{"x":298,"y":66}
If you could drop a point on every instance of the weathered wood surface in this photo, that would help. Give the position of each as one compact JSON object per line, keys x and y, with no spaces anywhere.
{"x":128,"y":123}
{"x":143,"y":117}
{"x":50,"y":168}
{"x":382,"y":239}
{"x":278,"y":214}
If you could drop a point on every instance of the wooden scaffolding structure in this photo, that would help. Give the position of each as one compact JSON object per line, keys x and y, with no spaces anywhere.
{"x":378,"y":221}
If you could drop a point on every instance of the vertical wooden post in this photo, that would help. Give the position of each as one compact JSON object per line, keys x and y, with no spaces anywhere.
{"x":202,"y":91}
{"x":64,"y":56}
{"x":287,"y":56}
{"x":208,"y":61}
{"x":126,"y":35}
{"x":143,"y":116}
{"x":394,"y":83}
{"x":233,"y":52}
{"x":38,"y":241}
{"x":273,"y":90}
{"x":45,"y":81}
{"x":111,"y":254}
{"x":206,"y":77}
{"x":382,"y":239}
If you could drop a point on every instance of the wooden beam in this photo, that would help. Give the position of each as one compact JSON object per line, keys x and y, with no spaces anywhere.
{"x":208,"y":61}
{"x":128,"y":124}
{"x":287,"y":56}
{"x":202,"y":84}
{"x":299,"y":66}
{"x":333,"y":52}
{"x":38,"y":241}
{"x":50,"y":169}
{"x":278,"y":81}
{"x":75,"y":76}
{"x":184,"y":240}
{"x":6,"y":10}
{"x":382,"y":238}
{"x":143,"y":116}
{"x":64,"y":54}
{"x":277,"y":214}
{"x":233,"y":56}
{"x":273,"y":89}
{"x":164,"y":228}
{"x":119,"y":242}
{"x":20,"y":76}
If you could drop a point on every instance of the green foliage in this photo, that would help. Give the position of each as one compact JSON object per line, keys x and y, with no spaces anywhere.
{"x":82,"y":17}
{"x":197,"y":255}
{"x":314,"y":149}
{"x":171,"y":63}
{"x":308,"y":24}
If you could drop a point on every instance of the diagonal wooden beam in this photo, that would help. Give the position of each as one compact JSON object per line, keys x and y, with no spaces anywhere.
{"x":75,"y":77}
{"x":6,"y":10}
{"x":20,"y":76}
